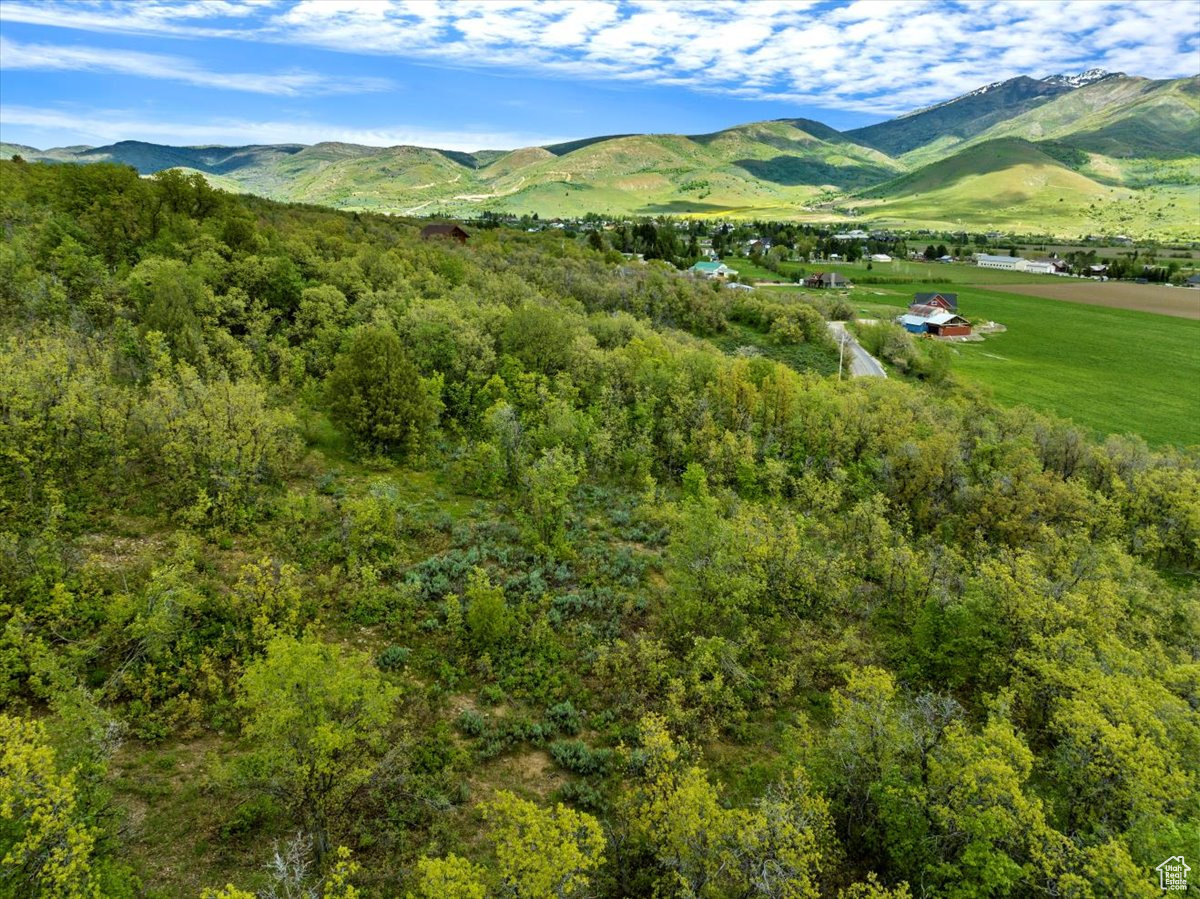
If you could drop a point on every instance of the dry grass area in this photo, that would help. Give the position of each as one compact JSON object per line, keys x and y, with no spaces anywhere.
{"x":1181,"y":302}
{"x":528,"y":774}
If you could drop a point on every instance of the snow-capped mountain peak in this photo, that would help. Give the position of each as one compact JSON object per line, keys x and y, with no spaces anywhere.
{"x":1081,"y":79}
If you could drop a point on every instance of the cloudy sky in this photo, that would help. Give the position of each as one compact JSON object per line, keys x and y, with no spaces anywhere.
{"x":477,"y":74}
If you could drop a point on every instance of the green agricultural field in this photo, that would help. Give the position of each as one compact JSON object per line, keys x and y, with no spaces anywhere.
{"x":748,"y":271}
{"x":1110,"y":370}
{"x":904,"y":271}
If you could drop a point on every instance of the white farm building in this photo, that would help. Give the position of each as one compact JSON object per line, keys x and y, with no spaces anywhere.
{"x":1011,"y":263}
{"x":1014,"y":264}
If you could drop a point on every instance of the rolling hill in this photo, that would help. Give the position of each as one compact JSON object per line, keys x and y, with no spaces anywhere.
{"x":1007,"y":183}
{"x":1069,"y":154}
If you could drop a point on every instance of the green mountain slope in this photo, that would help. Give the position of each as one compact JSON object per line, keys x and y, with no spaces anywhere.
{"x":1051,"y":154}
{"x":7,"y":151}
{"x":776,"y":166}
{"x":391,"y":179}
{"x":959,"y":119}
{"x":761,"y":165}
{"x":33,"y":154}
{"x":1117,"y":117}
{"x":149,"y":158}
{"x":1013,"y":184}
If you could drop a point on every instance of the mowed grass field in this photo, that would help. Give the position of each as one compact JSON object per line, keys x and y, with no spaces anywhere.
{"x":899,"y":270}
{"x":945,"y":272}
{"x":1113,"y":371}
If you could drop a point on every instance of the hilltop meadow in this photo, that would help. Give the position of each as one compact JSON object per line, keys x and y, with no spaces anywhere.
{"x":335,"y":562}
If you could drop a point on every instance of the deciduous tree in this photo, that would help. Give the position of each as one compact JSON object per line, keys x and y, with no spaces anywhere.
{"x":317,"y":718}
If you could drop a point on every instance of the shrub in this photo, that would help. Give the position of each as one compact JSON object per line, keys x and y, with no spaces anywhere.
{"x":889,"y":342}
{"x":472,"y":723}
{"x":582,"y":795}
{"x":249,"y":816}
{"x":565,"y":717}
{"x":393,"y":657}
{"x":489,"y":620}
{"x":480,"y":469}
{"x":214,"y":445}
{"x":577,"y":756}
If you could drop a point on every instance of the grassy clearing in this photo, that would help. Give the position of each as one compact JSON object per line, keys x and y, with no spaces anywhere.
{"x":749,"y":271}
{"x":801,"y":356}
{"x":1110,"y":370}
{"x":180,"y":835}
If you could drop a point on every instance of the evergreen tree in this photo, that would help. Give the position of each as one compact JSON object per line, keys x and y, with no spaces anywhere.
{"x":377,"y":395}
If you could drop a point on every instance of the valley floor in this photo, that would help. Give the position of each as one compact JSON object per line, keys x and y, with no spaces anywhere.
{"x":1181,"y":302}
{"x":1107,"y":367}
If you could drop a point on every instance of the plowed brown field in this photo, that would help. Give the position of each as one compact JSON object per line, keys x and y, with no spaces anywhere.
{"x":1182,"y":302}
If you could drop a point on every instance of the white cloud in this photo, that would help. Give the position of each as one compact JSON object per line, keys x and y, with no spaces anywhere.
{"x":880,"y":56}
{"x":50,"y":58}
{"x":144,"y":17}
{"x":57,"y":126}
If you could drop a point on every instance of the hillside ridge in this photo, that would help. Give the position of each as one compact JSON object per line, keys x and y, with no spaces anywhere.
{"x":1113,"y":133}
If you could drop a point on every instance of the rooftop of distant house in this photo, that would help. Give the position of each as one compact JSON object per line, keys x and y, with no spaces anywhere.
{"x":444,"y":230}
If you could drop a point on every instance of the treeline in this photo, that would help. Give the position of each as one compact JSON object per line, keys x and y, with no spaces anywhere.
{"x":377,"y":516}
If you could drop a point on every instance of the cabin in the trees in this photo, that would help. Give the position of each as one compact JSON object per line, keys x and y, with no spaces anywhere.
{"x":444,"y":232}
{"x":935,"y":314}
{"x":827,"y":279}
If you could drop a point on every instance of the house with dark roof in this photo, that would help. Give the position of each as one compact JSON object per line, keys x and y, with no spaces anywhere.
{"x":444,"y":232}
{"x":827,"y":279}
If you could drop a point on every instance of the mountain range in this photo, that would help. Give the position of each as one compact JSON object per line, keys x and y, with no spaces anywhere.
{"x":1067,"y":154}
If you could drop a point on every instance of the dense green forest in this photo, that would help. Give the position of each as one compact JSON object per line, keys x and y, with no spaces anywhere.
{"x":338,"y":563}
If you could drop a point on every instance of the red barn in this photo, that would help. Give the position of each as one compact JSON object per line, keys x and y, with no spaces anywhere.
{"x":935,"y":314}
{"x":944,"y":301}
{"x":937,"y":322}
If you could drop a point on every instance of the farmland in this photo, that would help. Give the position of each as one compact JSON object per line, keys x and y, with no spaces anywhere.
{"x":903,"y":271}
{"x":1156,"y":298}
{"x":1110,"y":370}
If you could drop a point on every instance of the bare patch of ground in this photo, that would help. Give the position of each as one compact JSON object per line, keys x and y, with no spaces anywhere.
{"x":531,"y":773}
{"x":1181,"y":302}
{"x":114,"y":553}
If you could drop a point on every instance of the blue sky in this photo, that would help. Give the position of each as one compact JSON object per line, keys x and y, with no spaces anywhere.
{"x":496,"y":74}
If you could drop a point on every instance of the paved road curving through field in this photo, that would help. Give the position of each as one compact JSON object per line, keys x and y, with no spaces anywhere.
{"x":861,"y":363}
